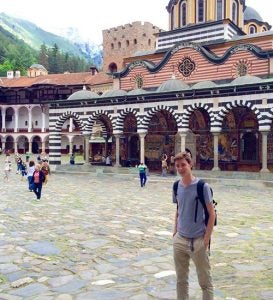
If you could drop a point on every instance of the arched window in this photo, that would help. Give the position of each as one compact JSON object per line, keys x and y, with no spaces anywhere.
{"x":112,"y":68}
{"x":235,"y":12}
{"x":252,"y":29}
{"x":220,"y":9}
{"x":183,"y":13}
{"x":200,"y":11}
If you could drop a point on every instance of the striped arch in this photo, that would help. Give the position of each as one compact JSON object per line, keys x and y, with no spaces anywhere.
{"x":67,"y":115}
{"x":96,"y":118}
{"x":186,"y":115}
{"x":237,"y":103}
{"x":121,"y":118}
{"x":147,"y":118}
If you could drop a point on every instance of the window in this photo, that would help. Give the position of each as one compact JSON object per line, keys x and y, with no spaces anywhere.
{"x":26,"y":123}
{"x":183,"y":13}
{"x":36,"y":123}
{"x":112,"y":46}
{"x":219,"y":9}
{"x":200,"y":11}
{"x":252,"y":29}
{"x":138,"y":81}
{"x":127,"y":43}
{"x":119,"y":45}
{"x":235,"y":12}
{"x":135,"y":41}
{"x":149,"y":42}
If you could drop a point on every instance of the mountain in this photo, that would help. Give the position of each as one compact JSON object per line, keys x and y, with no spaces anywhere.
{"x":87,"y":47}
{"x":34,"y":36}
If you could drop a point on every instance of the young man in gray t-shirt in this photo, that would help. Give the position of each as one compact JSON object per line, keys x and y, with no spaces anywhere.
{"x":191,"y":236}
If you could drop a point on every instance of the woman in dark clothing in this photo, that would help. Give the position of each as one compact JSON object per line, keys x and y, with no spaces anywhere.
{"x":37,"y":181}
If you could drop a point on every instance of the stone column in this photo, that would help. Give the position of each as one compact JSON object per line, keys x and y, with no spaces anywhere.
{"x":71,"y":125}
{"x":142,"y":146}
{"x":15,"y":147}
{"x":3,"y":144}
{"x":183,"y":141}
{"x":29,"y":120}
{"x":86,"y":148}
{"x":117,"y":137}
{"x":3,"y":112}
{"x":30,"y":147}
{"x":43,"y":146}
{"x":16,"y":120}
{"x":215,"y":151}
{"x":43,"y":129}
{"x":264,"y":151}
{"x":70,"y":146}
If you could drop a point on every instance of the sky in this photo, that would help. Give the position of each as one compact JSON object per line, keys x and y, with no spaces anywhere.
{"x":90,"y":17}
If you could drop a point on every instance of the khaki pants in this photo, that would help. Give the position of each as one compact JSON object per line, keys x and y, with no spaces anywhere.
{"x":184,"y":250}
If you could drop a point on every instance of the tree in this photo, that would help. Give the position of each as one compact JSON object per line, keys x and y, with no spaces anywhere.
{"x":43,"y":56}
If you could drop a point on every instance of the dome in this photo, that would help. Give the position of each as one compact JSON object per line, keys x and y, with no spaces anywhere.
{"x":114,"y":93}
{"x":37,"y":66}
{"x":247,"y":79}
{"x":136,"y":92}
{"x":251,"y":14}
{"x":83,"y":95}
{"x":204,"y":85}
{"x":172,"y":85}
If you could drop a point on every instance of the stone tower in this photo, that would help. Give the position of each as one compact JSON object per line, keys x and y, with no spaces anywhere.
{"x":124,"y":41}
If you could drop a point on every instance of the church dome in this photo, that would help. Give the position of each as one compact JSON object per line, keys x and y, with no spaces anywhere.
{"x":247,"y":79}
{"x":204,"y":85}
{"x":136,"y":92}
{"x":251,"y":14}
{"x":114,"y":93}
{"x":83,"y":95}
{"x":172,"y":85}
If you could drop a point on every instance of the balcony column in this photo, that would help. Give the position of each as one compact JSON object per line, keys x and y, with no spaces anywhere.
{"x":30,"y":147}
{"x":29,"y":120}
{"x":16,"y":120}
{"x":43,"y":146}
{"x":3,"y":112}
{"x":215,"y":151}
{"x":264,"y":152}
{"x":15,"y":147}
{"x":43,"y":129}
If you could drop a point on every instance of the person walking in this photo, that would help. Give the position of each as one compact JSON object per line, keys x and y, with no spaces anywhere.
{"x":30,"y":171}
{"x":37,"y":181}
{"x":142,"y":174}
{"x":191,"y":237}
{"x":7,"y":168}
{"x":164,"y":165}
{"x":46,"y":170}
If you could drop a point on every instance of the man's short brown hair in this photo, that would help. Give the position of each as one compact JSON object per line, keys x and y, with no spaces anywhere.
{"x":183,"y":155}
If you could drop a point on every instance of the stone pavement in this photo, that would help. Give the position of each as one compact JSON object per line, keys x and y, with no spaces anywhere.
{"x":104,"y":237}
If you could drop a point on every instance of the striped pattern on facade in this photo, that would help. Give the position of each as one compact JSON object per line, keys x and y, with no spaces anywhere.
{"x":219,"y":117}
{"x":198,"y":35}
{"x":152,"y":111}
{"x":144,"y":114}
{"x":190,"y":109}
{"x":122,"y":115}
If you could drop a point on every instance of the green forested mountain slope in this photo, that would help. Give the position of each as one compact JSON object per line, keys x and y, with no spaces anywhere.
{"x":35,"y":36}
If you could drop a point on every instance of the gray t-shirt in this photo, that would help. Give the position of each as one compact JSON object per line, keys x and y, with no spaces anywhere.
{"x":186,"y":199}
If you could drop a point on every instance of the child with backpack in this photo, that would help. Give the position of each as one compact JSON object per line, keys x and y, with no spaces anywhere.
{"x":191,"y":236}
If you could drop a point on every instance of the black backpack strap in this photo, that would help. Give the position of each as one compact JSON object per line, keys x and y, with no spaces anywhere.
{"x":200,"y":195}
{"x":175,"y":188}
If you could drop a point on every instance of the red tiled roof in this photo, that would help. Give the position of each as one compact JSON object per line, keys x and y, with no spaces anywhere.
{"x":57,"y":79}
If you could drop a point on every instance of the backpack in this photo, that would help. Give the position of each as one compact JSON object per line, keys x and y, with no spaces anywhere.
{"x":200,"y":197}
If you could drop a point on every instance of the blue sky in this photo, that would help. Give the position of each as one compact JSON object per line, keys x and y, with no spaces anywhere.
{"x":91,"y":16}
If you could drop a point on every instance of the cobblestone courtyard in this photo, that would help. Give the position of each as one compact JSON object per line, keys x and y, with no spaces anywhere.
{"x":106,"y":238}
